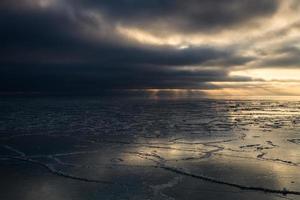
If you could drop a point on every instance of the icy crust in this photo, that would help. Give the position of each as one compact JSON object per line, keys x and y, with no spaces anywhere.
{"x":229,"y":146}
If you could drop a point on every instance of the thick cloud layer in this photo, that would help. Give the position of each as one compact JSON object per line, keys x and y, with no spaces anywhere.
{"x":188,"y":15}
{"x":76,"y":46}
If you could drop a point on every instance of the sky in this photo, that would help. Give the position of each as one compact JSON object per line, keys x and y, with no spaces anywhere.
{"x":214,"y":47}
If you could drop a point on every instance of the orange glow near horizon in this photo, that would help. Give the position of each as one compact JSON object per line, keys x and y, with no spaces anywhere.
{"x":270,"y":74}
{"x":255,"y":88}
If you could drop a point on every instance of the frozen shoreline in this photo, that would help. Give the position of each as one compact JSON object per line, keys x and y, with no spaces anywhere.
{"x":239,"y":149}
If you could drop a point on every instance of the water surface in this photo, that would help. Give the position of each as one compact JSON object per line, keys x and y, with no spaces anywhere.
{"x":130,"y":148}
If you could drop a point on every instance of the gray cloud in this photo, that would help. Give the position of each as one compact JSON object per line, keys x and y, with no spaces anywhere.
{"x":283,"y":57}
{"x":73,"y":45}
{"x":189,"y":15}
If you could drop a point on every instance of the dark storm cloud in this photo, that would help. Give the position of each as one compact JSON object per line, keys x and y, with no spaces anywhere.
{"x":283,"y":57}
{"x":232,"y":60}
{"x":34,"y":30}
{"x":116,"y":68}
{"x":46,"y":45}
{"x":88,"y":78}
{"x":187,"y":15}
